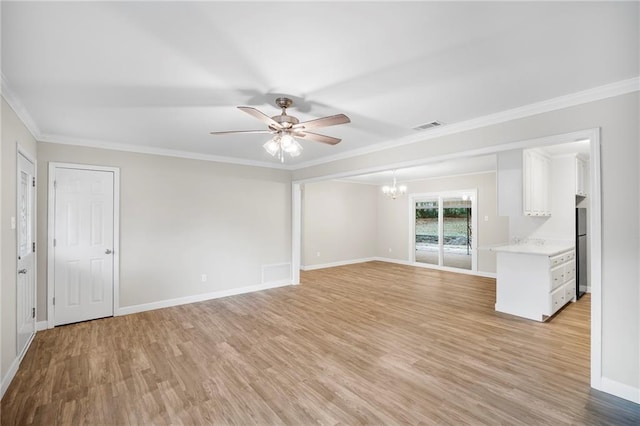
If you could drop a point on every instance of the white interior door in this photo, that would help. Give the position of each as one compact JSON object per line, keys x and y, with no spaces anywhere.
{"x":26,"y":278}
{"x":83,"y":244}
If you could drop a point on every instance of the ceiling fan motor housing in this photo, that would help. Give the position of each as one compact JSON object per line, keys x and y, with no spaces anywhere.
{"x":285,"y":120}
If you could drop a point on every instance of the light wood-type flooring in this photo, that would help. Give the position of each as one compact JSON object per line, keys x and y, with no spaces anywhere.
{"x":372,"y":343}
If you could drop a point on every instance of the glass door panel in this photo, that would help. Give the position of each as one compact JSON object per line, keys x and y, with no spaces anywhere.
{"x":456,"y":244}
{"x":427,"y":232}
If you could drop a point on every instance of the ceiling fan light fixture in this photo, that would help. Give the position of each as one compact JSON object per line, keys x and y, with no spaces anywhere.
{"x":297,"y":149}
{"x":287,"y":142}
{"x":272,"y":146}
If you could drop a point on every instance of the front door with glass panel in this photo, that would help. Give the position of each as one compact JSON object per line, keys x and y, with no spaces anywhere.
{"x":444,"y":229}
{"x":26,"y":277}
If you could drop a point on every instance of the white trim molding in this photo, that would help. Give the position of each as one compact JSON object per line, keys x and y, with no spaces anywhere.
{"x":17,"y":107}
{"x":165,"y":152}
{"x":595,"y":94}
{"x":436,"y":267}
{"x":13,"y":369}
{"x":127,"y":310}
{"x":338,"y":263}
{"x":620,"y":390}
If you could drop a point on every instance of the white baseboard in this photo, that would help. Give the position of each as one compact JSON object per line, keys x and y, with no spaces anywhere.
{"x":439,"y":268}
{"x":339,"y":263}
{"x":13,"y":369}
{"x":399,"y":262}
{"x":390,"y":260}
{"x":42,"y":325}
{"x":126,"y":310}
{"x":620,"y":390}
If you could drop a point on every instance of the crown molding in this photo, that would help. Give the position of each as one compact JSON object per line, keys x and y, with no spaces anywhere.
{"x":18,"y":107}
{"x":139,"y":149}
{"x":595,"y":94}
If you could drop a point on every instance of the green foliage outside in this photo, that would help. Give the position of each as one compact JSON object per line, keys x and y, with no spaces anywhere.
{"x":448,"y":212}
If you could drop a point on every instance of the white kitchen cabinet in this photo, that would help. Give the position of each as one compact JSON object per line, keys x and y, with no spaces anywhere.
{"x":582,"y":177}
{"x":534,"y":282}
{"x":536,"y":180}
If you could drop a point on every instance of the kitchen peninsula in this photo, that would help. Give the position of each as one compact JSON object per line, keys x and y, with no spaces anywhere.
{"x":535,"y":280}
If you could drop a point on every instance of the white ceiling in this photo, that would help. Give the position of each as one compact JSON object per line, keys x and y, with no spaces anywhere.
{"x":162,"y":75}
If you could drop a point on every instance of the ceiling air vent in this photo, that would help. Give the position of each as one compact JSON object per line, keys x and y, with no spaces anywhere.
{"x":429,"y":125}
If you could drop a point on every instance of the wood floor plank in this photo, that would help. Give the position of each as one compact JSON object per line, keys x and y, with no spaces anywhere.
{"x":371,"y":343}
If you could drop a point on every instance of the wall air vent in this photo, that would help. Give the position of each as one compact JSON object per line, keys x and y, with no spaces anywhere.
{"x":429,"y":125}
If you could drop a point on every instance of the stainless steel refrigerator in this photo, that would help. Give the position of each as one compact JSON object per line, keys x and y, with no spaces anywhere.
{"x":581,"y":252}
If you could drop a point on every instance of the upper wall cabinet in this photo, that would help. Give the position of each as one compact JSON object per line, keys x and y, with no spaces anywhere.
{"x":582,"y":177}
{"x":536,"y":180}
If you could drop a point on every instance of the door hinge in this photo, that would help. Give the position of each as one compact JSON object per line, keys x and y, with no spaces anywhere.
{"x":54,"y":300}
{"x":33,"y":247}
{"x":55,"y":183}
{"x":54,"y":242}
{"x":33,"y":182}
{"x":33,"y":312}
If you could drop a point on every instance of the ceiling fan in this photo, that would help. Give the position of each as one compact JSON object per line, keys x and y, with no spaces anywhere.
{"x":286,"y":129}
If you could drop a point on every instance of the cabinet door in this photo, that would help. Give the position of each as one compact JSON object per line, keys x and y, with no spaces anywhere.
{"x":545,"y":191}
{"x":581,"y":177}
{"x":527,"y":182}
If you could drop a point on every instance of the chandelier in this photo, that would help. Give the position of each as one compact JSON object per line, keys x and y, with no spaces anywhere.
{"x":394,"y":190}
{"x":283,"y":142}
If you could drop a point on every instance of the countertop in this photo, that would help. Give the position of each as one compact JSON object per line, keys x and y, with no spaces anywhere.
{"x":541,"y":249}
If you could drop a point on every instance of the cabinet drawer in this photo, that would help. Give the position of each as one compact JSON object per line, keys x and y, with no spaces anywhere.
{"x":569,"y":270}
{"x":557,"y":277}
{"x":570,"y":291}
{"x":562,"y":258}
{"x":556,"y":300}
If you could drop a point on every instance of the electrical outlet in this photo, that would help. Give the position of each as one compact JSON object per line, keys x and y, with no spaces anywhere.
{"x":317,"y":254}
{"x":390,"y":250}
{"x":204,"y":278}
{"x":486,"y":218}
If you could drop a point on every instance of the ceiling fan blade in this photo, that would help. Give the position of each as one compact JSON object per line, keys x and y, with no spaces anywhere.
{"x":318,"y":138}
{"x":261,"y":116}
{"x":332,"y":120}
{"x":241,"y":131}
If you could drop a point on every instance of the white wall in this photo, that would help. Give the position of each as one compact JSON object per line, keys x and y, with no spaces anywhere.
{"x":393,"y":217}
{"x":339,"y":222}
{"x":13,"y":132}
{"x":182,"y":218}
{"x":617,"y":117}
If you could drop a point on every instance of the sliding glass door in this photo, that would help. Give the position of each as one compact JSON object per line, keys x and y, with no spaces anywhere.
{"x":443,"y":228}
{"x":427,"y":246}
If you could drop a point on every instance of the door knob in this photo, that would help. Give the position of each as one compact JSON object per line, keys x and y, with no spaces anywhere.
{"x":107,"y":251}
{"x":22,"y":271}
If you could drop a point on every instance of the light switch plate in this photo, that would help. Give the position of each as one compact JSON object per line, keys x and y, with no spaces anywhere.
{"x":13,"y":222}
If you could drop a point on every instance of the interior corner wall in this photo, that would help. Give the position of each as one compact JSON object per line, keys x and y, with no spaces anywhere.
{"x":339,"y":222}
{"x":14,"y":132}
{"x":617,"y":118}
{"x":394,"y":222}
{"x":180,"y":218}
